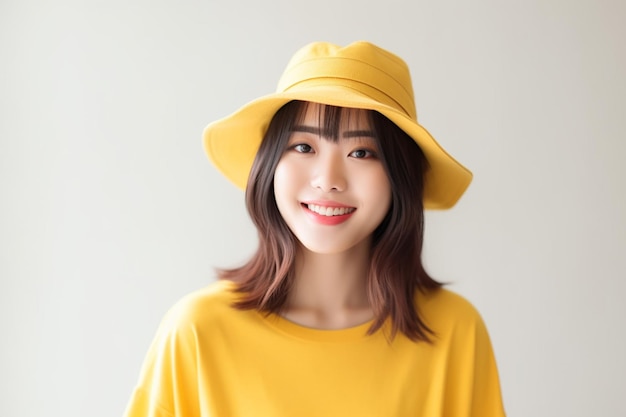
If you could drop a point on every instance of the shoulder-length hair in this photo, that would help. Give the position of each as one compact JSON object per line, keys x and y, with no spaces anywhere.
{"x":396,"y":272}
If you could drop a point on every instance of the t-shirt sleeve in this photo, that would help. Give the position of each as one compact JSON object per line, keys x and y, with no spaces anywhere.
{"x":486,"y":395}
{"x":473,"y":374}
{"x":167,"y":384}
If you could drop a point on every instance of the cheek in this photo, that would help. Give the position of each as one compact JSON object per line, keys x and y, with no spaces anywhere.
{"x":286,"y":180}
{"x":280,"y":179}
{"x":378,"y":186}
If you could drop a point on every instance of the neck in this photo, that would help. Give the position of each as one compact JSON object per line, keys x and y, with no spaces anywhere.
{"x":329,"y":290}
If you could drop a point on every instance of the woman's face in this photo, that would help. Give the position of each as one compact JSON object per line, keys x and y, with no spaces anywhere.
{"x":332,"y":194}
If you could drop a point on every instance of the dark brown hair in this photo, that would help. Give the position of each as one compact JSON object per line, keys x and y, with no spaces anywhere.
{"x":396,"y":271}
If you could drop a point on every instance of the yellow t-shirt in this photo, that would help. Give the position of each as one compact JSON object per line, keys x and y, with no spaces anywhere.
{"x":209,"y":359}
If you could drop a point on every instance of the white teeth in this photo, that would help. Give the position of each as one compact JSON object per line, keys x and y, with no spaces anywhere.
{"x":330,"y":211}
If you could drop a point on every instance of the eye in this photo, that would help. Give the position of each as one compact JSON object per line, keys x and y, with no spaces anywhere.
{"x":362,"y":154}
{"x":302,"y":148}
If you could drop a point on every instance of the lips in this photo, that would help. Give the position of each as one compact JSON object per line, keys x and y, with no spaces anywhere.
{"x":328,"y":213}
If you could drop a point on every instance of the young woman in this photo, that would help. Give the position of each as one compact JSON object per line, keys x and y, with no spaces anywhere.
{"x":334,"y":315}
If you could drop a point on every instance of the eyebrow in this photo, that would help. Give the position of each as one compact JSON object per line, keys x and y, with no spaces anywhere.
{"x":318,"y":131}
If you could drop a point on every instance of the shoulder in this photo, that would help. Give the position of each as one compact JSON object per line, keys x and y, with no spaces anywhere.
{"x":445,"y":311}
{"x":447,"y":303}
{"x":169,"y":375}
{"x":461,"y":345}
{"x":199,"y":308}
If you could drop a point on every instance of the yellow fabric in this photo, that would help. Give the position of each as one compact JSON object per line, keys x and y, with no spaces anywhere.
{"x":208,"y":359}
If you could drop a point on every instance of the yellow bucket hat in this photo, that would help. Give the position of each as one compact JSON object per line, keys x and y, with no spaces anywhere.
{"x":360,"y":75}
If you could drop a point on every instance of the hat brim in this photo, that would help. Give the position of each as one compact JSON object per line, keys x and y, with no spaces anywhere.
{"x":232,"y":142}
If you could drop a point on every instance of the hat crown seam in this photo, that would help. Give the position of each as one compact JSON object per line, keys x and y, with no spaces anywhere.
{"x":400,"y":66}
{"x":391,"y":74}
{"x":293,"y":76}
{"x":397,"y":106}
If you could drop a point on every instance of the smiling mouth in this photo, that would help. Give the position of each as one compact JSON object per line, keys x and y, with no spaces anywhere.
{"x":329,"y":211}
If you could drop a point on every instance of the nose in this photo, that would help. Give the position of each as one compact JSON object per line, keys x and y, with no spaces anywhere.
{"x":329,"y":173}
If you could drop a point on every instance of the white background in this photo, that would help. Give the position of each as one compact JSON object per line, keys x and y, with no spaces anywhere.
{"x":110,"y":211}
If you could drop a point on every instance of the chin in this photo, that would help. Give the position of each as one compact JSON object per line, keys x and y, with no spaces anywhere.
{"x":333,"y":247}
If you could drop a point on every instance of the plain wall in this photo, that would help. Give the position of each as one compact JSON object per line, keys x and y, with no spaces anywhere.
{"x":110,"y":211}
